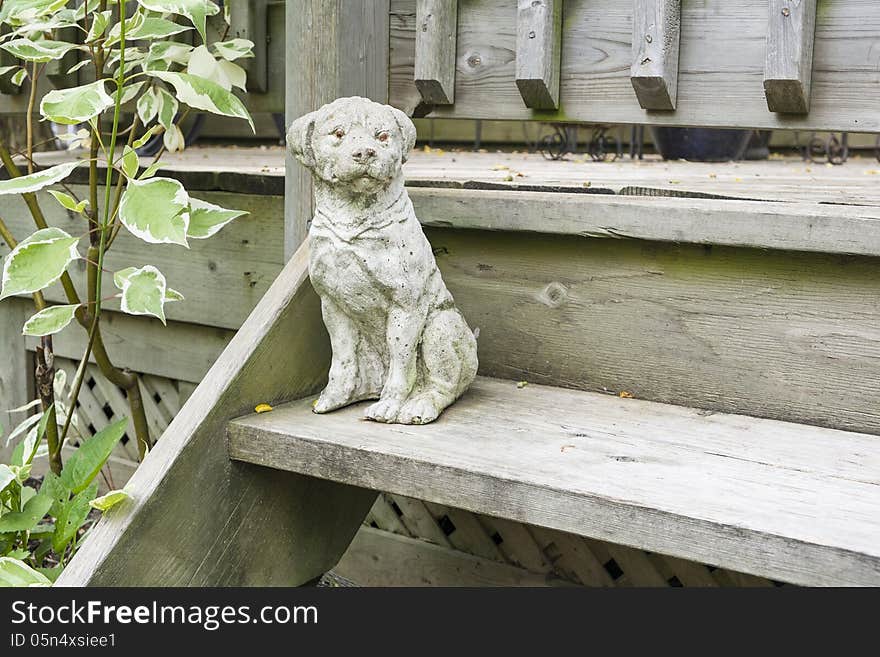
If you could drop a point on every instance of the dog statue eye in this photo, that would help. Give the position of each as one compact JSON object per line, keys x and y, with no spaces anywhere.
{"x":382,"y":136}
{"x":339,"y":132}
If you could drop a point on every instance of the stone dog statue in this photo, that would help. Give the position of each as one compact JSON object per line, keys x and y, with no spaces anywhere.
{"x":394,"y":329}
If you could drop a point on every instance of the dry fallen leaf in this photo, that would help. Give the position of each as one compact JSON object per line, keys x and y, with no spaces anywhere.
{"x":873,"y":172}
{"x":500,"y":167}
{"x":522,"y":384}
{"x":565,"y":447}
{"x":265,"y":408}
{"x":587,"y":184}
{"x":624,"y":394}
{"x":508,"y":178}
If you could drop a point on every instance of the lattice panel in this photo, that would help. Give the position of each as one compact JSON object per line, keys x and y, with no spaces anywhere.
{"x":102,"y":403}
{"x":573,"y":558}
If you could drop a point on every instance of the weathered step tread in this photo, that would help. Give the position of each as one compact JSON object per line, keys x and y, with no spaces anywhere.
{"x":787,"y":501}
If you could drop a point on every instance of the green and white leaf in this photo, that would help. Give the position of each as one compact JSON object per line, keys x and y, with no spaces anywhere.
{"x":24,"y":11}
{"x":19,"y":77}
{"x":130,"y":162}
{"x":130,"y":92}
{"x":76,"y":105}
{"x":24,"y":426}
{"x":144,"y":138}
{"x":173,"y":139}
{"x":68,"y":202}
{"x":34,"y":182}
{"x":167,"y":109}
{"x":34,"y":265}
{"x":205,"y":95}
{"x":16,"y":573}
{"x":79,"y":65}
{"x":7,"y":476}
{"x":131,"y":25}
{"x":75,"y":139}
{"x":151,"y":170}
{"x":195,"y":10}
{"x":173,"y":295}
{"x":143,"y":293}
{"x":235,"y":49}
{"x":109,"y":500}
{"x":205,"y":219}
{"x":164,"y":53}
{"x":49,"y":320}
{"x":148,"y":106}
{"x":157,"y":28}
{"x":37,"y":51}
{"x":100,"y":21}
{"x":156,"y":210}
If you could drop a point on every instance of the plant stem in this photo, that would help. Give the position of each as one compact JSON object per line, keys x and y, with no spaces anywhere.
{"x":29,"y":120}
{"x":45,"y":379}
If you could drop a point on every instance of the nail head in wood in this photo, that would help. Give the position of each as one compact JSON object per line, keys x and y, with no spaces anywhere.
{"x":436,"y":27}
{"x":656,"y":35}
{"x":538,"y":49}
{"x":788,"y":62}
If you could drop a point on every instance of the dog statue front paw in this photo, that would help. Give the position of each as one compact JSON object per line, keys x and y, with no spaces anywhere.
{"x":419,"y":410}
{"x":384,"y":410}
{"x":333,"y":397}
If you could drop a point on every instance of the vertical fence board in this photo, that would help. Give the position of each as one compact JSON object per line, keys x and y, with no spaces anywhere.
{"x":538,"y":48}
{"x":436,"y":38}
{"x":788,"y":63}
{"x":655,"y":41}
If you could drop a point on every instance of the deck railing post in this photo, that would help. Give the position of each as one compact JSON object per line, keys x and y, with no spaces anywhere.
{"x":334,"y":48}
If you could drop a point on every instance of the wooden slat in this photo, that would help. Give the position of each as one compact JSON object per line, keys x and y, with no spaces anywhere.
{"x":654,"y":71}
{"x":721,"y":66}
{"x":301,"y":524}
{"x":538,"y":48}
{"x":377,"y":558}
{"x":797,"y":503}
{"x":779,"y":226}
{"x":435,"y":43}
{"x":179,"y":351}
{"x":788,"y":63}
{"x":15,"y":366}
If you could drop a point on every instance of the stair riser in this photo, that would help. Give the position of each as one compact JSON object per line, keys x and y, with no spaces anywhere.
{"x":785,"y":335}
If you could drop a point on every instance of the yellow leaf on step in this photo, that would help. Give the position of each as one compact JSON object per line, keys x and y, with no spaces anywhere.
{"x":625,"y":394}
{"x":262,"y":408}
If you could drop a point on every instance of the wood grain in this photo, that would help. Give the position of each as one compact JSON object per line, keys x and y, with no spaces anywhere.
{"x":655,"y":46}
{"x":788,"y":62}
{"x":435,"y":42}
{"x":772,"y":334}
{"x":796,"y":503}
{"x":378,"y":558}
{"x":778,"y":226}
{"x":721,"y":66}
{"x":232,"y":524}
{"x":341,"y":49}
{"x":538,"y":47}
{"x":15,"y":365}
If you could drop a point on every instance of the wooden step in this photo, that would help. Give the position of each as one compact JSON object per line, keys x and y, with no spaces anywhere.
{"x":791,"y":502}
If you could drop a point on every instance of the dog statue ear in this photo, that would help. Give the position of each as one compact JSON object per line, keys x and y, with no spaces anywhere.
{"x":299,"y":139}
{"x":407,"y":131}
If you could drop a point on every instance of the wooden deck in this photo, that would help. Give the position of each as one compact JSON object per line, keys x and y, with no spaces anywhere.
{"x":780,"y":500}
{"x":261,"y":170}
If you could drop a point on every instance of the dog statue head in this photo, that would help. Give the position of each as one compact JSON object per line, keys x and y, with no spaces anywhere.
{"x":353,"y":142}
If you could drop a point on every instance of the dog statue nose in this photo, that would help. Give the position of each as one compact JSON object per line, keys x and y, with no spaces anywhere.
{"x":363,"y":154}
